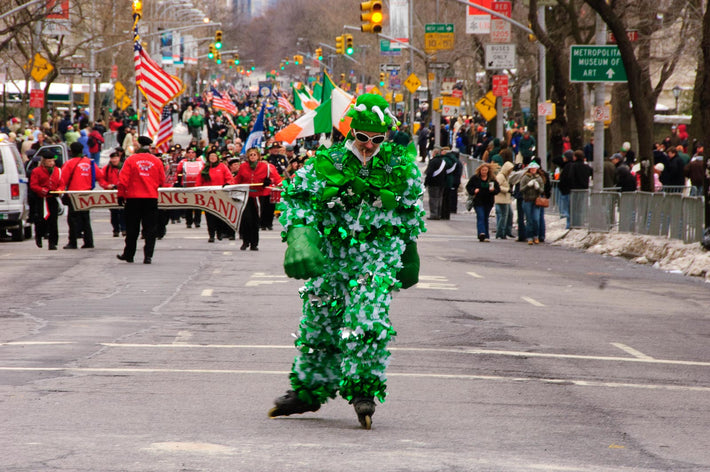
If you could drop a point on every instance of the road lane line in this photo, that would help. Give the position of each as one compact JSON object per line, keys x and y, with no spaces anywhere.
{"x":474,"y":275}
{"x":227,"y":253}
{"x":532,"y":301}
{"x":35,"y":343}
{"x":484,"y":352}
{"x":632,"y":351}
{"x":207,"y":292}
{"x":419,"y":375}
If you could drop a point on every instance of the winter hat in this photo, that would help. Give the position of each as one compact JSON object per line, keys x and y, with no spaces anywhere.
{"x":568,"y":154}
{"x":533,"y":165}
{"x":626,"y":146}
{"x":616,"y":156}
{"x":144,"y":141}
{"x":659,"y":167}
{"x":371,"y":113}
{"x":636,"y":168}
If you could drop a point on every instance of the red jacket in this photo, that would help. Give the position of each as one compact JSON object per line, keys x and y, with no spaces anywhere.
{"x":219,"y":175}
{"x":109,"y":177}
{"x":141,"y":176}
{"x":41,"y":183}
{"x":76,"y":174}
{"x":247,"y":175}
{"x":99,"y":141}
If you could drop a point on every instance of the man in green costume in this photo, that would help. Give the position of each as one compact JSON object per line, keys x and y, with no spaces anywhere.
{"x":351,"y":217}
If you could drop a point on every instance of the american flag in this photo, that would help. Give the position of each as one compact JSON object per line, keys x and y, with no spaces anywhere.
{"x":285,"y":104}
{"x":157,"y":86}
{"x":221,"y":103}
{"x":165,"y":132}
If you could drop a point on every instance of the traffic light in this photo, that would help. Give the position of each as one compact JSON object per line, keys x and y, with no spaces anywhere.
{"x":282,"y":66}
{"x":342,"y":77}
{"x":298,"y":59}
{"x":349,"y":48}
{"x":295,"y":60}
{"x":382,"y":79}
{"x":218,"y":39}
{"x":531,"y":37}
{"x":371,"y":16}
{"x":319,"y":54}
{"x":211,"y":52}
{"x":218,"y":57}
{"x":236,"y":59}
{"x":339,"y":45}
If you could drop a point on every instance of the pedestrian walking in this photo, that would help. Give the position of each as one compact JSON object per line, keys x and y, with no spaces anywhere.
{"x":46,"y":178}
{"x":79,"y":173}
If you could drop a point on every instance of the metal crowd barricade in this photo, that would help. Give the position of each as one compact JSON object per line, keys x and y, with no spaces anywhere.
{"x":602,"y":212}
{"x":470,"y":164}
{"x":110,"y":140}
{"x":627,"y":212}
{"x":693,"y":211}
{"x":578,"y":208}
{"x":643,"y":212}
{"x":555,"y":196}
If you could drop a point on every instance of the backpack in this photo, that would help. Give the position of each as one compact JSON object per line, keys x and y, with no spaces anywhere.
{"x":92,"y":141}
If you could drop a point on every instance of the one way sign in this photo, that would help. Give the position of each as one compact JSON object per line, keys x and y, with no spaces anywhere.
{"x":500,"y":56}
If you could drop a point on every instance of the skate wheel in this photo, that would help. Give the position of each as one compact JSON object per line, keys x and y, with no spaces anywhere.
{"x":273,"y":412}
{"x":366,"y":422}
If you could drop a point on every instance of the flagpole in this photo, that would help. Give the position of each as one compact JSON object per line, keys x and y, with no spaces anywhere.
{"x":137,"y":12}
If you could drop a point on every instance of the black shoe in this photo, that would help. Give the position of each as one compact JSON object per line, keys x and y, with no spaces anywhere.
{"x":70,"y":246}
{"x":210,"y":240}
{"x":189,"y":226}
{"x":87,"y":246}
{"x":365,"y":408}
{"x":121,"y":257}
{"x":52,"y":247}
{"x":147,"y":260}
{"x":244,"y":247}
{"x":232,"y":238}
{"x":481,"y":237}
{"x":123,"y":233}
{"x":253,"y":248}
{"x":270,"y":228}
{"x":197,"y":226}
{"x":38,"y":242}
{"x":290,"y":404}
{"x":115,"y":234}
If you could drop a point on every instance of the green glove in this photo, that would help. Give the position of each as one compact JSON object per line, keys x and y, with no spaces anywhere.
{"x":409,"y":273}
{"x":303,"y":259}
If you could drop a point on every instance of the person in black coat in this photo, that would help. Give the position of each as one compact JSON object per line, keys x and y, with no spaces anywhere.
{"x":435,"y":182}
{"x":483,"y":186}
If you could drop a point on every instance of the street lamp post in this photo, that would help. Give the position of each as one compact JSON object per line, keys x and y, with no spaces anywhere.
{"x":676,"y":95}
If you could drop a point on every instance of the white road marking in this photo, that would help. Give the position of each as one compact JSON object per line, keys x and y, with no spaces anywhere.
{"x":265,"y":275}
{"x":227,"y":253}
{"x":532,"y":301}
{"x":551,"y":355}
{"x":217,"y":271}
{"x":632,"y":351}
{"x":182,"y":336}
{"x":254,"y":283}
{"x":207,"y":292}
{"x":474,"y":275}
{"x":435,"y":282}
{"x":579,"y":383}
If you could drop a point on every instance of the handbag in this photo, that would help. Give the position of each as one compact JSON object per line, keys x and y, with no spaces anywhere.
{"x":542,"y":202}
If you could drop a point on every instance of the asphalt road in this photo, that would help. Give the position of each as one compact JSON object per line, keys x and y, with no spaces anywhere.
{"x":508,"y":358}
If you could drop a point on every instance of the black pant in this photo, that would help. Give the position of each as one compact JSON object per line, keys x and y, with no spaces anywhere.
{"x":79,"y":224}
{"x":47,"y":227}
{"x":214,"y":225}
{"x":141,"y":211}
{"x":249,"y":227}
{"x":193,"y":216}
{"x":266,"y":219}
{"x":118,"y":221}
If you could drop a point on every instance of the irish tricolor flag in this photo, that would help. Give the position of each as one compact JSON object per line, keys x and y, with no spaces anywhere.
{"x":330,"y":114}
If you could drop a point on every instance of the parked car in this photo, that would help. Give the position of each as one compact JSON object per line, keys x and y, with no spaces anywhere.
{"x":14,"y":209}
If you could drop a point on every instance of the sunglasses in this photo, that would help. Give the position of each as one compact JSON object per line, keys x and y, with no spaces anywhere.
{"x":363,"y":138}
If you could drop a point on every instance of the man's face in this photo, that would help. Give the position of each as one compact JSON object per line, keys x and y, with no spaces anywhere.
{"x":253,"y":156}
{"x":367,"y":142}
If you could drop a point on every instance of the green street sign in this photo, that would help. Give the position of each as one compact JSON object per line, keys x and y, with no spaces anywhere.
{"x":589,"y":63}
{"x":439,"y":28}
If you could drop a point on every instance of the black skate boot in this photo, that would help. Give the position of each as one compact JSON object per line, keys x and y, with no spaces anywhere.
{"x":290,"y":404}
{"x":365,"y":408}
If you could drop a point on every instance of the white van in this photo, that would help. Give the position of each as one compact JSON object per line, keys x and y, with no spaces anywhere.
{"x":14,"y":209}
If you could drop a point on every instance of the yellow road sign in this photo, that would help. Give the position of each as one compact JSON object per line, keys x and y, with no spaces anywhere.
{"x":118,"y":90}
{"x":124,"y":102}
{"x":486,"y":106}
{"x":40,"y":67}
{"x":452,"y":101}
{"x":375,"y":90}
{"x":412,"y":83}
{"x":398,"y":97}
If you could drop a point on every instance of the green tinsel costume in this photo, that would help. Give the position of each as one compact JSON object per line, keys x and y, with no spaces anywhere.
{"x":356,"y":226}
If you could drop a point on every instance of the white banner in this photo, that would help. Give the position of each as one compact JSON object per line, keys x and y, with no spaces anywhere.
{"x":226,"y":203}
{"x":399,"y":21}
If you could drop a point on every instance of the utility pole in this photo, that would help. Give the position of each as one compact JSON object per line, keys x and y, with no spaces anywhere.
{"x":599,"y":93}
